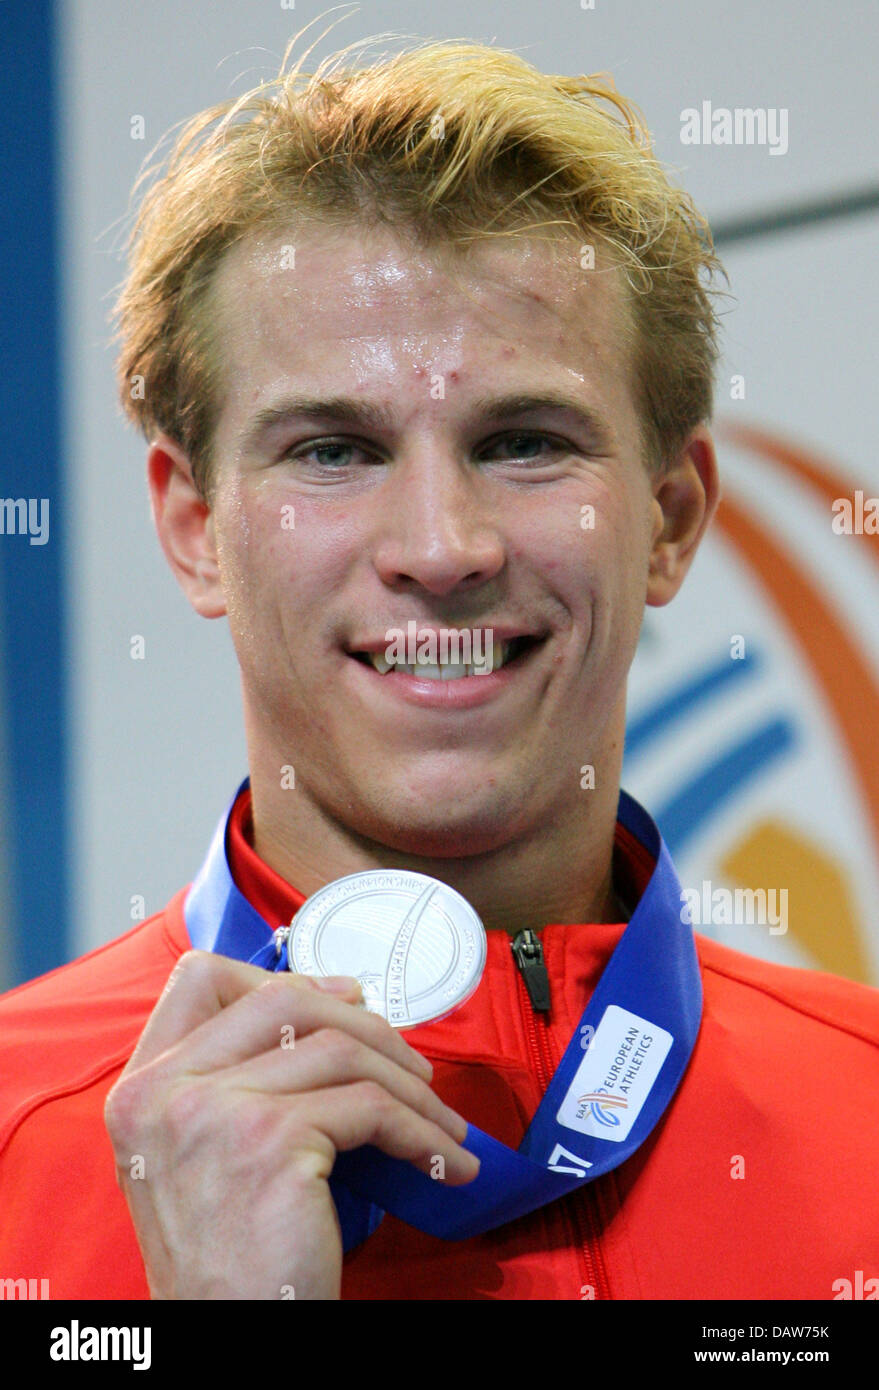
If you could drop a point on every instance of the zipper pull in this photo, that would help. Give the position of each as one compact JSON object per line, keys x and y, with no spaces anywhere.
{"x":528,"y":954}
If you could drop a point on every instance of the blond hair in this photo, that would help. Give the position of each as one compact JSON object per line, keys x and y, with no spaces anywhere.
{"x":453,"y":142}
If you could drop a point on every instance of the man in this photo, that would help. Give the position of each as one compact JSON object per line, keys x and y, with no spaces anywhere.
{"x":428,"y":344}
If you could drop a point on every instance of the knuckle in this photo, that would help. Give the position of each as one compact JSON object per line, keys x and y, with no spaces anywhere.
{"x":193,"y":974}
{"x":339,"y":1046}
{"x":277,"y":989}
{"x":195,"y":966}
{"x":130,"y":1109}
{"x":201,"y":1119}
{"x":183,"y":1109}
{"x":378,"y":1031}
{"x":258,"y":1128}
{"x":376,"y":1099}
{"x":379,"y":1025}
{"x":120,"y":1110}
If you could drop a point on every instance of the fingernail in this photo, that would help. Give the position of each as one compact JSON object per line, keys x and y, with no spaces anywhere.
{"x":461,"y":1127}
{"x":339,"y":984}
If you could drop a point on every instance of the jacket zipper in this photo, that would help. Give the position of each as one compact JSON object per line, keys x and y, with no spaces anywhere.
{"x":528,"y":955}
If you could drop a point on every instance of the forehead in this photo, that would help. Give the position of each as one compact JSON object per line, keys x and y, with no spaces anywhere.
{"x":291,"y":305}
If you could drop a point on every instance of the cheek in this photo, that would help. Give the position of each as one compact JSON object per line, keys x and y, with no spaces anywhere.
{"x":281,"y":561}
{"x":615,"y":558}
{"x":255,"y":554}
{"x":626,"y":521}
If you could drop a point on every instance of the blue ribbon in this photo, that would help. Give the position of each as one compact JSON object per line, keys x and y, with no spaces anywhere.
{"x":625,"y":1059}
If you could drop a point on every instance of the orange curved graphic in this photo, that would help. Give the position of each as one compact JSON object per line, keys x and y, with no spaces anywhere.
{"x":818,"y":476}
{"x":835,"y":661}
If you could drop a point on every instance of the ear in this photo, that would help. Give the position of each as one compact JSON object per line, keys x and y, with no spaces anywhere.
{"x":185,"y":527}
{"x":685,"y":498}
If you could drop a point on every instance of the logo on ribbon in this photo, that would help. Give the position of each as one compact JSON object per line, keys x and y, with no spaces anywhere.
{"x":602,"y":1105}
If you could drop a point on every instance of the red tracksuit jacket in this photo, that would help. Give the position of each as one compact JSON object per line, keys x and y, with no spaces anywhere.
{"x":759,"y":1182}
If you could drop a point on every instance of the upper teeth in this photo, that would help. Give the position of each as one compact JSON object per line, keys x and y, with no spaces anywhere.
{"x":444,"y":670}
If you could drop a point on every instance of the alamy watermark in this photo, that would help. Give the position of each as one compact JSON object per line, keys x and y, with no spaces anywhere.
{"x":741,"y":125}
{"x":23,"y":1289}
{"x":735,"y":907}
{"x":77,"y":1343}
{"x":855,"y":516}
{"x":25,"y":516}
{"x":449,"y":646}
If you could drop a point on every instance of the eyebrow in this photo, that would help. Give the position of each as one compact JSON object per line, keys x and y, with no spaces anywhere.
{"x":348,"y":411}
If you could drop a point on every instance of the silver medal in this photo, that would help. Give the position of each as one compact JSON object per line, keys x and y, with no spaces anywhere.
{"x":416,"y":945}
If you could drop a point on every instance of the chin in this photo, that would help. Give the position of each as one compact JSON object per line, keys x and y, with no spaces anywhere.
{"x":433,"y":829}
{"x":442,"y":842}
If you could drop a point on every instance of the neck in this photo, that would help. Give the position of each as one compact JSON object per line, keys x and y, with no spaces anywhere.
{"x":558,"y":871}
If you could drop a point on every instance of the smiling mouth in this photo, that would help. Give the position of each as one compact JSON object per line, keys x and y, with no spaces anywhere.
{"x":504,"y":653}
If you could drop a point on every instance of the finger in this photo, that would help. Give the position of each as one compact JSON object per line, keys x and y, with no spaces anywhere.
{"x":262,"y":1015}
{"x":200,"y":986}
{"x":364,"y":1113}
{"x":335,"y":1057}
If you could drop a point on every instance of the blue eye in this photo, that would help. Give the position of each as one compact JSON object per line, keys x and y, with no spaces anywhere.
{"x":329,"y":446}
{"x":329,"y":449}
{"x":333,"y":455}
{"x":519,"y":435}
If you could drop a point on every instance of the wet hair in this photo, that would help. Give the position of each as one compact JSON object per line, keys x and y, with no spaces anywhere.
{"x":450,"y":143}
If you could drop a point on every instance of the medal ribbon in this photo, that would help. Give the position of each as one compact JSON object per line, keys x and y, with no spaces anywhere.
{"x":617,"y":1076}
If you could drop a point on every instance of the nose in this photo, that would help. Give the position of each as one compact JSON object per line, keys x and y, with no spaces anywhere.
{"x":437,"y":529}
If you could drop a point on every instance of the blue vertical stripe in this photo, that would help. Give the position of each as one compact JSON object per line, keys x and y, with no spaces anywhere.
{"x":32,"y":664}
